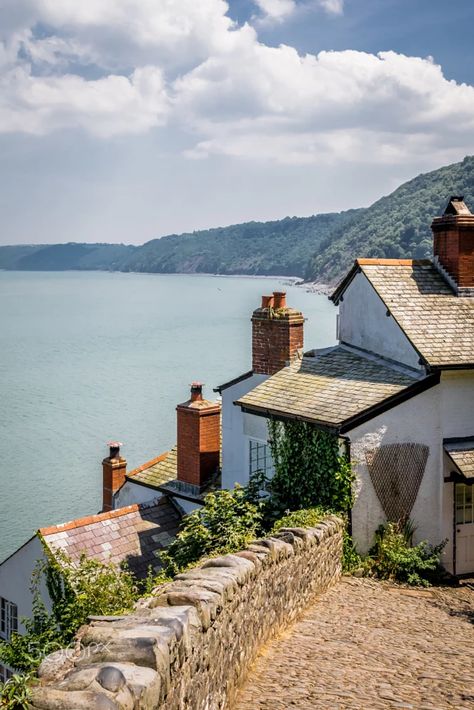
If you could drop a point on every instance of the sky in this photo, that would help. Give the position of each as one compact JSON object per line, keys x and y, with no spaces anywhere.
{"x":124,"y":120}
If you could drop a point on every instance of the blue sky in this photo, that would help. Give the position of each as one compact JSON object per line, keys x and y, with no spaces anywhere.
{"x":123,"y":120}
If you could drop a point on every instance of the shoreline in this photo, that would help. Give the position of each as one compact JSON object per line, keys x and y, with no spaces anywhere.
{"x":317,"y":287}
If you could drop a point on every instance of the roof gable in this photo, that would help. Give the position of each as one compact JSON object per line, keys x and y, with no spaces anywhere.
{"x":439,"y":324}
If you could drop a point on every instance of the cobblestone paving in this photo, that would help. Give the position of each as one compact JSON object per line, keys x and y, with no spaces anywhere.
{"x":367,"y":645}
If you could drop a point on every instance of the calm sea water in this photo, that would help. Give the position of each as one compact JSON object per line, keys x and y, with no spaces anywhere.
{"x":89,"y":357}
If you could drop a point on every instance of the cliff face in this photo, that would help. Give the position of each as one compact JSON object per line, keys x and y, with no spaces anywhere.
{"x":191,"y":644}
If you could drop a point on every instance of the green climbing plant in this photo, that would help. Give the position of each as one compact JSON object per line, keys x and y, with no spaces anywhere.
{"x":310,"y":470}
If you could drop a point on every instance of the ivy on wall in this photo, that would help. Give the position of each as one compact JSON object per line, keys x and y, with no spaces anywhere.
{"x":310,"y":469}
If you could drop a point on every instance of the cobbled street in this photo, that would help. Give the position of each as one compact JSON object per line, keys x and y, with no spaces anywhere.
{"x":368,"y":645}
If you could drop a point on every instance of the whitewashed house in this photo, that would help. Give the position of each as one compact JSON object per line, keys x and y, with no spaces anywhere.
{"x":398,"y":389}
{"x":141,"y":512}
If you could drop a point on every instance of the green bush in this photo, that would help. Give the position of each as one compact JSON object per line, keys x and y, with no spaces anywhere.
{"x":392,"y":557}
{"x":227,"y":522}
{"x":306,"y":518}
{"x":15,"y":693}
{"x":77,"y":590}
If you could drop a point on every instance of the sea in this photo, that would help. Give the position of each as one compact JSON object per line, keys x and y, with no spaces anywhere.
{"x":86,"y":357}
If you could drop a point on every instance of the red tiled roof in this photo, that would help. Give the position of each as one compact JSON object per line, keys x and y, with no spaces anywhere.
{"x":134,"y":534}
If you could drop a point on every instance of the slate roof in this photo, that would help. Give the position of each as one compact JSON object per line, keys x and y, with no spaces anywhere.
{"x":461,"y":453}
{"x":439,"y":324}
{"x":158,"y":471}
{"x":133,"y":534}
{"x":332,"y":389}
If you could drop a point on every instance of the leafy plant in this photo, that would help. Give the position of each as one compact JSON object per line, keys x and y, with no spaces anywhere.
{"x":15,"y":693}
{"x":77,"y":590}
{"x":394,"y":558}
{"x":351,"y":559}
{"x":226,"y":522}
{"x":310,"y":470}
{"x":307,"y":518}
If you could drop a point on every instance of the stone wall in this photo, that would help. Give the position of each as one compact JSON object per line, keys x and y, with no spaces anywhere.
{"x":190,"y":645}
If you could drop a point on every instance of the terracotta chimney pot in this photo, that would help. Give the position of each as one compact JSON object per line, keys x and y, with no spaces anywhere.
{"x":196,"y":392}
{"x":279,"y":299}
{"x":267,"y":301}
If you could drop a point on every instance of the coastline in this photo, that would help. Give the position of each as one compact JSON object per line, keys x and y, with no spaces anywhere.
{"x":317,"y":287}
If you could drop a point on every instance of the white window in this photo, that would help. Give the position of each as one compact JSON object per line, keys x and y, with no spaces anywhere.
{"x":8,"y":618}
{"x":464,"y":504}
{"x":260,"y":459}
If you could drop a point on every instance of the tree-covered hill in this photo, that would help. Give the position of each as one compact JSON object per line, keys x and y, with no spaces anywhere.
{"x":395,"y":226}
{"x":62,"y":257}
{"x":319,"y":248}
{"x":282,"y":247}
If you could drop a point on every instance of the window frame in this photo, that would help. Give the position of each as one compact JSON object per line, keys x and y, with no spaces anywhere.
{"x":463,"y":508}
{"x":264,"y":455}
{"x":8,"y":618}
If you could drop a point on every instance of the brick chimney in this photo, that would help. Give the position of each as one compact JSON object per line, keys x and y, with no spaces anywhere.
{"x":199,"y":438}
{"x":453,"y":245}
{"x":277,"y":334}
{"x":114,"y":468}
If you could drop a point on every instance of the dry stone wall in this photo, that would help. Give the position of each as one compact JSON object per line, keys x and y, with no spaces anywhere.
{"x":189,"y":646}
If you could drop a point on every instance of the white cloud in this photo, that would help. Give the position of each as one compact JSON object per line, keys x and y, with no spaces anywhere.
{"x":280,"y":10}
{"x":276,"y":9}
{"x":186,"y":62}
{"x":130,"y":32}
{"x":274,"y":104}
{"x":104,"y":107}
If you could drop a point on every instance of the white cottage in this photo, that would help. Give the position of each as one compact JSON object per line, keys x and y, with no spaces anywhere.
{"x":398,"y":389}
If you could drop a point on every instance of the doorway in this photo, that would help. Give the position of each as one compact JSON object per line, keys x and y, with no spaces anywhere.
{"x":464,"y":528}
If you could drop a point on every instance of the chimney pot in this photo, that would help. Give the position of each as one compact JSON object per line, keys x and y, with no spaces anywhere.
{"x":267,"y":301}
{"x":196,"y":391}
{"x":279,"y":299}
{"x":114,"y":449}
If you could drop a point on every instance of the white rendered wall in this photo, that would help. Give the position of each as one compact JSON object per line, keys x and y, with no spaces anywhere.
{"x":416,"y":421}
{"x":131,"y":493}
{"x":444,"y":411}
{"x":235,"y":462}
{"x":15,"y":578}
{"x":363,"y":322}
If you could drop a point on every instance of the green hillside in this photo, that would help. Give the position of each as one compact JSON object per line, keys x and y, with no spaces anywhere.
{"x":395,"y":226}
{"x":318,"y":248}
{"x":282,"y":247}
{"x":63,"y":257}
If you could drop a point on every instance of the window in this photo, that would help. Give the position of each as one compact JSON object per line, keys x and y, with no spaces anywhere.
{"x":8,"y":618}
{"x":464,"y":504}
{"x":260,"y":460}
{"x":5,"y":673}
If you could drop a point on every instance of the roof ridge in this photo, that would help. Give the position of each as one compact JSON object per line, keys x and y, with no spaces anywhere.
{"x":393,"y":262}
{"x":99,"y":517}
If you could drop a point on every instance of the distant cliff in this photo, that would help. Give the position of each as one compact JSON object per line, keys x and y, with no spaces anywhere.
{"x":318,"y":248}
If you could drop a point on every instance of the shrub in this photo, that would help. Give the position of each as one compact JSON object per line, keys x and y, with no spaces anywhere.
{"x":306,"y":518}
{"x":394,"y":558}
{"x":77,"y":590}
{"x":15,"y":693}
{"x":227,"y":522}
